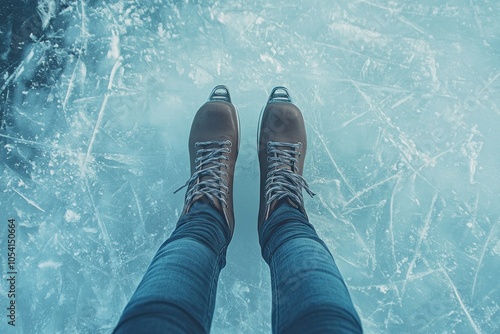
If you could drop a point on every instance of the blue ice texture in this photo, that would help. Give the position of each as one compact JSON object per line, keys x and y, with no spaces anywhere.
{"x":402,"y":106}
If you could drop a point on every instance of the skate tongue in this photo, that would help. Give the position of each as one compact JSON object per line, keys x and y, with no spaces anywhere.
{"x":204,"y":199}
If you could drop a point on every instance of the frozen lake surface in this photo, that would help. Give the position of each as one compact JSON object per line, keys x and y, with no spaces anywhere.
{"x":402,"y":105}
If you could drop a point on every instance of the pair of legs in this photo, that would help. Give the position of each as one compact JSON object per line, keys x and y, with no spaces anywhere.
{"x":177,"y":293}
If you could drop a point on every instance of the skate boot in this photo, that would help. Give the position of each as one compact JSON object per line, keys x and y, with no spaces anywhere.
{"x":213,"y":149}
{"x":281,"y":144}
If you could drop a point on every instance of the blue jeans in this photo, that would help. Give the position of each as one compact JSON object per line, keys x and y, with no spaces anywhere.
{"x":177,"y":293}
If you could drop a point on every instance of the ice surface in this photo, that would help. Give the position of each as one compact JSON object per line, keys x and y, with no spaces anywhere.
{"x":401,"y":100}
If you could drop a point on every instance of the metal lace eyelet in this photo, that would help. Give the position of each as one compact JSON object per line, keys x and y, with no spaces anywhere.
{"x":230,"y":143}
{"x":268,"y":159}
{"x":268,"y":144}
{"x":196,"y":145}
{"x":269,"y":150}
{"x":300,"y":144}
{"x":228,"y":150}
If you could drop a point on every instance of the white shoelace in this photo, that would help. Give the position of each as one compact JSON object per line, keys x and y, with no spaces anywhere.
{"x":282,"y":181}
{"x":214,"y":184}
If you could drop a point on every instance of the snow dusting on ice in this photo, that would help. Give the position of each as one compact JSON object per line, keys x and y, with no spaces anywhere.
{"x":402,"y":105}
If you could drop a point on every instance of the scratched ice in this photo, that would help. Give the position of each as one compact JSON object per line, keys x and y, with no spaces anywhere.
{"x":402,"y":104}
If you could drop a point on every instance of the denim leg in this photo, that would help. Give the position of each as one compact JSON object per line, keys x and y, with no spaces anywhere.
{"x":177,"y":293}
{"x":309,"y":293}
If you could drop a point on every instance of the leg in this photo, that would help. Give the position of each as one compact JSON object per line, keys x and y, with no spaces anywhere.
{"x":177,"y":293}
{"x":309,"y":294}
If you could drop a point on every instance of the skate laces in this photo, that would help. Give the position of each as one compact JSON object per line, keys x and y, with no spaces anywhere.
{"x":283,"y":179}
{"x":209,"y":178}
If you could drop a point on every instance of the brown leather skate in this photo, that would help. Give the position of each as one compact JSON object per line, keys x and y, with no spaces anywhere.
{"x":281,"y":144}
{"x":213,"y":149}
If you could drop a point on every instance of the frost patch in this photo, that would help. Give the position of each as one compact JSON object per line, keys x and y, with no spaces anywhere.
{"x":496,"y":248}
{"x":71,"y":217}
{"x":266,"y":57}
{"x":355,"y":33}
{"x":46,"y":10}
{"x":49,"y":264}
{"x":90,"y":230}
{"x":114,"y":51}
{"x":200,"y":76}
{"x":239,"y":290}
{"x":383,"y":289}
